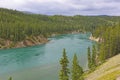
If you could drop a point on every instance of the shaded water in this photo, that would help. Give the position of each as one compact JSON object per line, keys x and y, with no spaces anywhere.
{"x":42,"y":62}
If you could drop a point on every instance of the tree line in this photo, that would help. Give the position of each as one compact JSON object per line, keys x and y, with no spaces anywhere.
{"x":18,"y":26}
{"x":110,"y":41}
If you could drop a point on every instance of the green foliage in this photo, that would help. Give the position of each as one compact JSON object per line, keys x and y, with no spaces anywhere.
{"x":81,"y":78}
{"x":10,"y":78}
{"x":94,"y":55}
{"x":92,"y":58}
{"x":17,"y":26}
{"x":64,"y":72}
{"x":89,"y":58}
{"x":110,"y":40}
{"x":77,"y":71}
{"x":111,"y":43}
{"x":110,"y":76}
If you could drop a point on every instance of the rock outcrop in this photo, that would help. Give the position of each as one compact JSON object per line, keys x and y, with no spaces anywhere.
{"x":95,"y":39}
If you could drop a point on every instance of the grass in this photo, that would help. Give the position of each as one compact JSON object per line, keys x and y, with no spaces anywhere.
{"x":109,"y":70}
{"x":110,"y":76}
{"x":113,"y":67}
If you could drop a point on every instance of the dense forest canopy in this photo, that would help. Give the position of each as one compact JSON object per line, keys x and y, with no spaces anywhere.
{"x":110,"y":36}
{"x":110,"y":44}
{"x":16,"y":26}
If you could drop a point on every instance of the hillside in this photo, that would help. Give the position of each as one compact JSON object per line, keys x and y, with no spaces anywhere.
{"x":16,"y":27}
{"x":110,"y":70}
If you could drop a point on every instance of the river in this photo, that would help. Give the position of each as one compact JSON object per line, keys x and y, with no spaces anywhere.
{"x":41,"y":62}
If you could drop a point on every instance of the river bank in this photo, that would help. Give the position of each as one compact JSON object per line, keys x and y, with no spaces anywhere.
{"x":31,"y":41}
{"x":95,"y":39}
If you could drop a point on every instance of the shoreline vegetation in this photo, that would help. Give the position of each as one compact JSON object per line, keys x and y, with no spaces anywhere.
{"x":20,"y":29}
{"x":104,"y":29}
{"x":108,"y":54}
{"x":30,"y":41}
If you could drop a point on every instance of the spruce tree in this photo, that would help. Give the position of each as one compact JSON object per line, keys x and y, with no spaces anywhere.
{"x":77,"y":71}
{"x":94,"y":53}
{"x":89,"y":58}
{"x":64,"y":72}
{"x":102,"y":53}
{"x":10,"y":78}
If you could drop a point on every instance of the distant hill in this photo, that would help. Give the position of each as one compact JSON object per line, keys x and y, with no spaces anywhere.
{"x":27,"y":12}
{"x":103,"y":15}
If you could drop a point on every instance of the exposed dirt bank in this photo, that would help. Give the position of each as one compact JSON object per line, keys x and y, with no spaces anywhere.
{"x":95,"y":39}
{"x":29,"y":41}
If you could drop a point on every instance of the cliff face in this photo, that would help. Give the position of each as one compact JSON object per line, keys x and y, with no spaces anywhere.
{"x":95,"y":39}
{"x":29,"y":41}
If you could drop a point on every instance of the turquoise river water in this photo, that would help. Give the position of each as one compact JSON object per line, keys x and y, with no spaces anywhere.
{"x":41,"y":62}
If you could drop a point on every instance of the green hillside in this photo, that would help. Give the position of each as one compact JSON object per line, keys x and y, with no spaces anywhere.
{"x":110,"y":70}
{"x":16,"y":26}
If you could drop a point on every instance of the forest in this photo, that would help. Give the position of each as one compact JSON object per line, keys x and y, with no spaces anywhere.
{"x":108,"y":47}
{"x":18,"y":26}
{"x":110,"y":44}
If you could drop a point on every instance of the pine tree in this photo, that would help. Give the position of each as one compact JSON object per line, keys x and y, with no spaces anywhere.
{"x":94,"y":53}
{"x":77,"y":71}
{"x":89,"y":58}
{"x":64,"y":72}
{"x":102,"y":53}
{"x":10,"y":78}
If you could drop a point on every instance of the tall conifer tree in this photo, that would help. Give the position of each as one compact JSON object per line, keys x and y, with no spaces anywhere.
{"x":89,"y":58}
{"x":10,"y":78}
{"x":64,"y":72}
{"x":77,"y":71}
{"x":94,"y":53}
